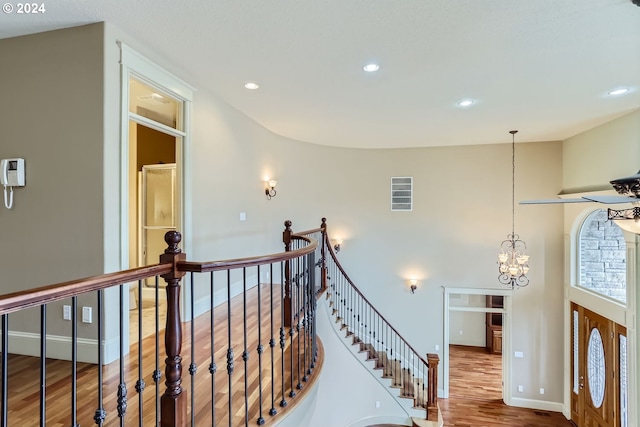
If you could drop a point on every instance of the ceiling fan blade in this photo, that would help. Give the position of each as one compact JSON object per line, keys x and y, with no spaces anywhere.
{"x":553,"y":201}
{"x":609,"y":200}
{"x":612,"y":199}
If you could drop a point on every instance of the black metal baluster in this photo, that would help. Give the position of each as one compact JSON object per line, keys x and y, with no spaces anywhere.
{"x":300,"y":278}
{"x":347,"y":292}
{"x":140,"y":384}
{"x":260,"y":349}
{"x":245,"y":352}
{"x":212,"y":365}
{"x":371,"y":326}
{"x":74,"y":361}
{"x":359,"y":305}
{"x":5,"y":369}
{"x":272,"y":343}
{"x":292,"y":393}
{"x":352,"y":301}
{"x":307,"y":293}
{"x":193,"y":368}
{"x":423,"y":381}
{"x":122,"y":387}
{"x":43,"y":364}
{"x":343,"y":300}
{"x":229,"y":348}
{"x":157,"y":374}
{"x":394,"y":356}
{"x":283,"y":402}
{"x":100,"y":413}
{"x":312,"y":309}
{"x":305,"y":317}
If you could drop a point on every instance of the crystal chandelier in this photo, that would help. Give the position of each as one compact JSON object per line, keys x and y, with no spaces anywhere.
{"x":513,"y":262}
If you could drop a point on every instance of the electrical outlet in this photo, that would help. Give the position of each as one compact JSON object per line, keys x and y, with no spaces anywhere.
{"x":541,"y":390}
{"x":437,"y":347}
{"x":66,"y":312}
{"x":518,"y":354}
{"x":520,"y":389}
{"x":377,"y":403}
{"x":86,"y":315}
{"x":243,"y":216}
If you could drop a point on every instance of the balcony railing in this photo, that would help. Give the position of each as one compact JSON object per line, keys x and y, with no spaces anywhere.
{"x":240,"y":362}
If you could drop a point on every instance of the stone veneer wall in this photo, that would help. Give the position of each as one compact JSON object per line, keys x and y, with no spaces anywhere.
{"x":603,"y":250}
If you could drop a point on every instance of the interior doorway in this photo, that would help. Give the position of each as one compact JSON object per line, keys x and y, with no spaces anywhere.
{"x":476,"y":335}
{"x":475,"y":348}
{"x":154,"y":193}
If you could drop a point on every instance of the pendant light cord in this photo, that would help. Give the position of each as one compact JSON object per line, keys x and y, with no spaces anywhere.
{"x":513,"y":184}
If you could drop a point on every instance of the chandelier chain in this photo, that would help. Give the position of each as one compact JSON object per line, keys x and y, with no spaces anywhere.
{"x":513,"y":182}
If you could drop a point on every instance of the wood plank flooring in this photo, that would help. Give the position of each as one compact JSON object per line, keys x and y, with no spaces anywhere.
{"x":475,"y":380}
{"x":24,"y":374}
{"x":476,"y":397}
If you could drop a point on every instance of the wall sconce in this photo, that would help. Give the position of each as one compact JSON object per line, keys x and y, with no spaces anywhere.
{"x":413,"y":285}
{"x":270,"y":191}
{"x":337,"y":246}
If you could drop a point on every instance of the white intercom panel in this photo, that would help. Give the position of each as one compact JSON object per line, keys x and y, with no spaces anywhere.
{"x":12,"y":172}
{"x":11,"y":175}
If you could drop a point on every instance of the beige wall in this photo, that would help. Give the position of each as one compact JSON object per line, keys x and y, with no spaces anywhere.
{"x":51,"y":115}
{"x":595,"y":157}
{"x":462,"y":212}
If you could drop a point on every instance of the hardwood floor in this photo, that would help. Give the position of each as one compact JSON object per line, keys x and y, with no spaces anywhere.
{"x":476,"y":395}
{"x":474,"y":373}
{"x":23,"y":383}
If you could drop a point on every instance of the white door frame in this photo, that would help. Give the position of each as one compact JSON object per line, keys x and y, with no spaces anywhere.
{"x":133,"y":64}
{"x":506,"y":333}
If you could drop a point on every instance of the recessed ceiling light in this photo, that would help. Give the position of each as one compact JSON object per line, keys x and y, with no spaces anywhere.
{"x":370,"y":68}
{"x":619,"y":91}
{"x":251,"y":85}
{"x":466,"y":103}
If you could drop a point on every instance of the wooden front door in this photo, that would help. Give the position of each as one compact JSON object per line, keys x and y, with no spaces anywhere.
{"x":595,"y":367}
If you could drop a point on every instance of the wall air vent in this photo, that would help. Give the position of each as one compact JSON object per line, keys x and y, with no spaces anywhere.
{"x":401,"y":193}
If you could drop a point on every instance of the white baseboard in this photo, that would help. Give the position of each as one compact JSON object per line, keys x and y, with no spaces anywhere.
{"x":58,"y":347}
{"x":374,"y":420}
{"x":537,"y":404}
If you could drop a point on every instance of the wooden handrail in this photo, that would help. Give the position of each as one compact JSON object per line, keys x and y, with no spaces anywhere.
{"x":16,"y":301}
{"x":35,"y":297}
{"x":200,"y":267}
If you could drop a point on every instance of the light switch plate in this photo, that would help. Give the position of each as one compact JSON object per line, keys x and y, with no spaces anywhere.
{"x":86,"y":315}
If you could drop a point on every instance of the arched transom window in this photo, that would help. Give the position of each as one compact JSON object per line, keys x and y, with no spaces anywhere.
{"x":602,"y":260}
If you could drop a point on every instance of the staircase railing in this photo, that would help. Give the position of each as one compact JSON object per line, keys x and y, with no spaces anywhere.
{"x":280,"y":349}
{"x":416,"y":377}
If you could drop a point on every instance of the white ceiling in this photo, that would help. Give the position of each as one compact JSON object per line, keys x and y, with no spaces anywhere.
{"x":543,"y":66}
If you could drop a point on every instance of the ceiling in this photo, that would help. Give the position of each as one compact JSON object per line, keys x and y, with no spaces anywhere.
{"x":544,"y":67}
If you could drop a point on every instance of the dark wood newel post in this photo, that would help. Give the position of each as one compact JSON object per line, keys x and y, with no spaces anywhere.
{"x":432,"y":390}
{"x":286,"y":300}
{"x":173,"y":403}
{"x":323,"y":267}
